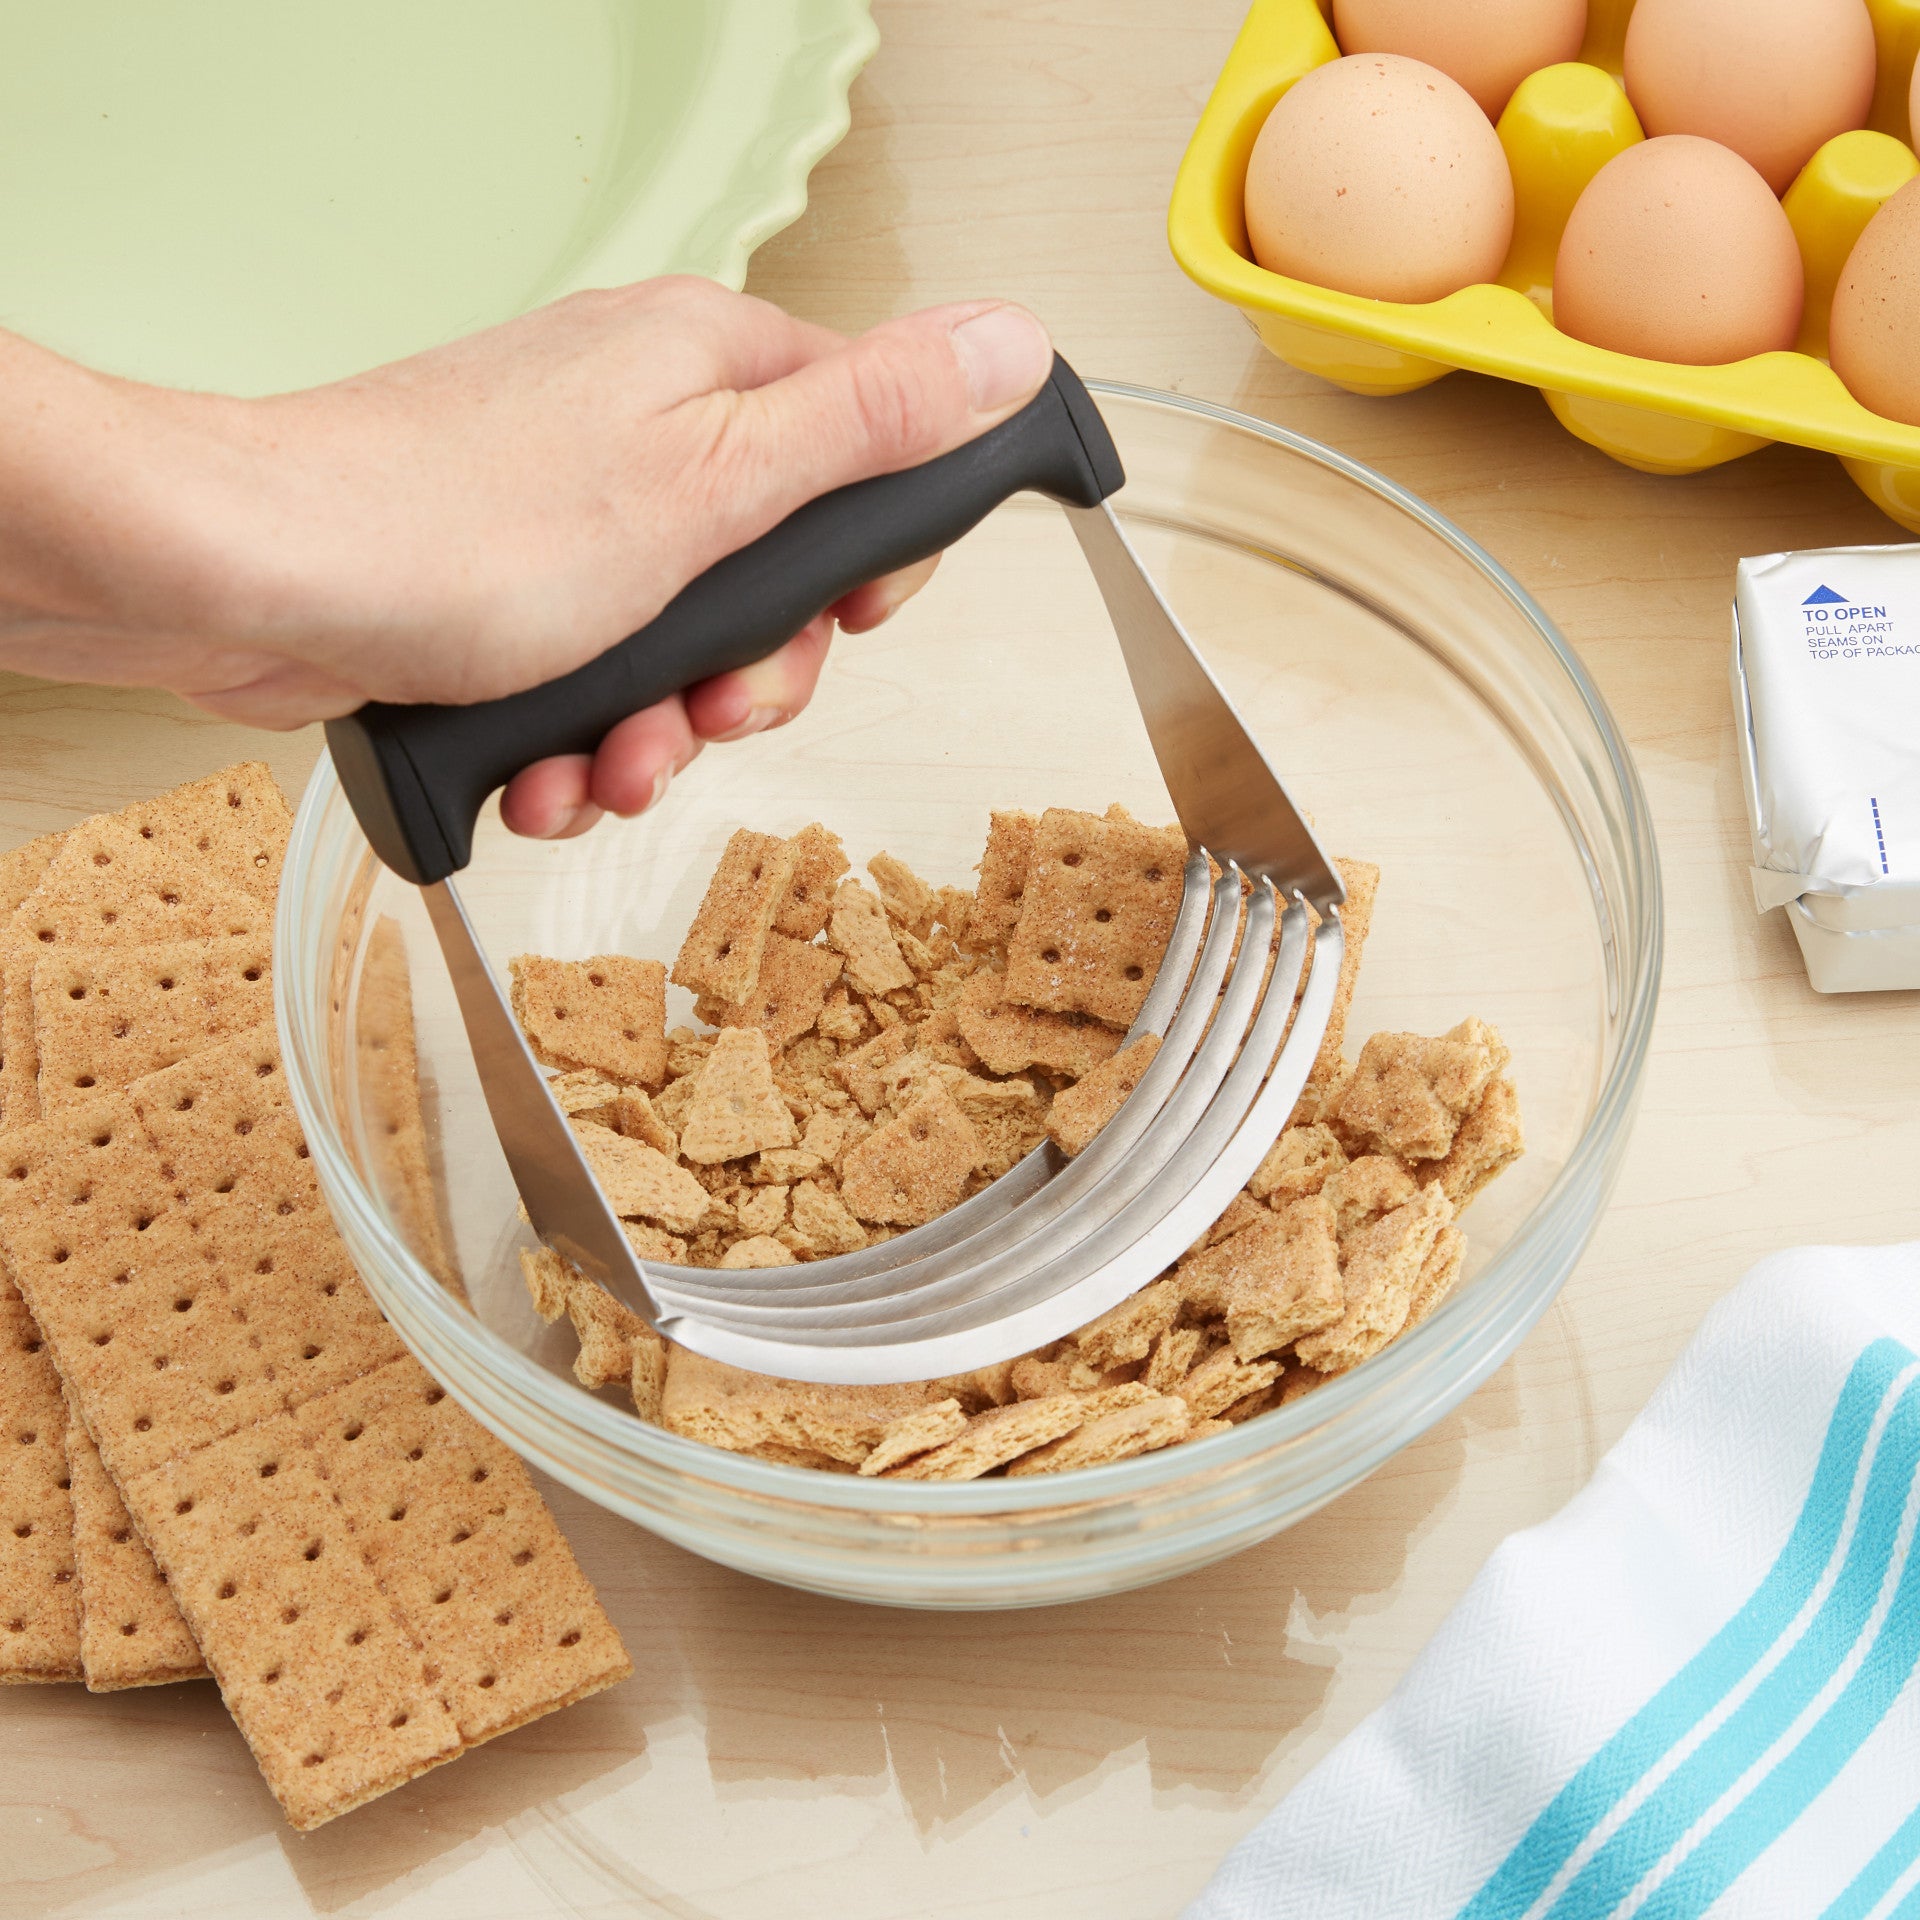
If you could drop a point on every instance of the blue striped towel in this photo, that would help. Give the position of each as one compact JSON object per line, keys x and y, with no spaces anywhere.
{"x":1692,"y":1692}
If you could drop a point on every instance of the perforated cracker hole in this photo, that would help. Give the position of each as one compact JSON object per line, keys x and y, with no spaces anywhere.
{"x":24,"y":1531}
{"x":486,"y":1679}
{"x":130,"y":1628}
{"x":270,"y":1469}
{"x":309,"y":1352}
{"x":228,"y":1590}
{"x":441,"y":1598}
{"x":183,"y":1304}
{"x":143,"y":1425}
{"x":398,"y":1720}
{"x":289,"y":1615}
{"x":250,"y":973}
{"x":101,"y":1339}
{"x":314,"y":1760}
{"x":465,"y":1533}
{"x":121,"y":1535}
{"x":183,"y":1506}
{"x":356,"y":1637}
{"x":353,"y":1432}
{"x":571,"y":1638}
{"x":271,"y":1677}
{"x":435,"y":1395}
{"x":504,"y":1618}
{"x":399,"y":1513}
{"x":1051,"y":956}
{"x":28,"y":1438}
{"x":479,"y":1474}
{"x":224,"y":1386}
{"x":415,"y":1454}
{"x":1136,"y":973}
{"x":521,"y":1558}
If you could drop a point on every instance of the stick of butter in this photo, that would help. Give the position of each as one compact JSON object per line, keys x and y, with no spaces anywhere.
{"x":1826,"y":691}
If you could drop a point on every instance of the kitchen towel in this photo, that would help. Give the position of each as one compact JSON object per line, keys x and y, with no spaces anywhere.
{"x":1690,"y":1693}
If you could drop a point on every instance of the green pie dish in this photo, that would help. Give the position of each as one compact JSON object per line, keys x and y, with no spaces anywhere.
{"x":255,"y":195}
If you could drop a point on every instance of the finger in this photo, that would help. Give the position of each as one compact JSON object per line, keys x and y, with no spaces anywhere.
{"x":769,"y":693}
{"x":550,"y":800}
{"x":899,"y":395}
{"x":879,"y":600}
{"x":635,"y":762}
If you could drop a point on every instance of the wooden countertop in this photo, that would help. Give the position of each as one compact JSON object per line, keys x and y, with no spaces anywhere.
{"x":783,"y":1756}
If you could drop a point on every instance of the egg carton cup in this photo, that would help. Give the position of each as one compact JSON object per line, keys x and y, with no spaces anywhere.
{"x":1562,"y":125}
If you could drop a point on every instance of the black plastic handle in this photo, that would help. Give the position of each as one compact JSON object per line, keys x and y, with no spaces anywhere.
{"x":417,"y":776}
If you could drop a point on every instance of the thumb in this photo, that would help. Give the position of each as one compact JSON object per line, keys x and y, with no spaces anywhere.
{"x":899,"y":395}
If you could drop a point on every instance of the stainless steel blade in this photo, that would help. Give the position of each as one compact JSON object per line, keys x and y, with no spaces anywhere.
{"x":563,"y":1200}
{"x":1229,"y":799}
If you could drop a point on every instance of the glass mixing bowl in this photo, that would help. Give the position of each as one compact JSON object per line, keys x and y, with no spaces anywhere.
{"x":1419,"y":706}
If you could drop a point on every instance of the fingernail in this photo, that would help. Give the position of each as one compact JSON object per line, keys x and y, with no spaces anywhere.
{"x":557,"y":827}
{"x":1005,"y":354}
{"x":757,"y":721}
{"x":661,"y":782}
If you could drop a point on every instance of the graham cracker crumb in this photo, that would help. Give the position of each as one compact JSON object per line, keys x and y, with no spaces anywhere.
{"x":608,"y":1014}
{"x":722,"y":951}
{"x":819,"y":861}
{"x":915,"y":1433}
{"x":1408,"y":1095}
{"x":1079,"y":1112}
{"x":861,"y":933}
{"x":906,"y":1172}
{"x":736,"y":1108}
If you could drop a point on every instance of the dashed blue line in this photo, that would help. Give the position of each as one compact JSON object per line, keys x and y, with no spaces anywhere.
{"x":1877,"y":833}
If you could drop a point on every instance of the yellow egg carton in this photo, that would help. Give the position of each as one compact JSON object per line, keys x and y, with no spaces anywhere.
{"x":1562,"y":125}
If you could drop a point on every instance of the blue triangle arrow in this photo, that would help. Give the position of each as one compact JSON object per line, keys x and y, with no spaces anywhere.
{"x":1824,"y":597}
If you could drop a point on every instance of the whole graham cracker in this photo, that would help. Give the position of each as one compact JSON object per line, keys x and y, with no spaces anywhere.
{"x":131,"y":1632}
{"x":22,"y":867}
{"x":104,"y":1016}
{"x":1099,"y":905}
{"x":106,"y":886}
{"x":234,"y":824}
{"x":473,"y":1565}
{"x":39,"y":1594}
{"x":608,"y":1013}
{"x":721,"y":953}
{"x":185,"y":1206}
{"x":335,"y":1697}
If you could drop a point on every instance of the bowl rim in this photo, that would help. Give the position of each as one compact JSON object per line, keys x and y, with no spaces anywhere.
{"x":1460,"y":1327}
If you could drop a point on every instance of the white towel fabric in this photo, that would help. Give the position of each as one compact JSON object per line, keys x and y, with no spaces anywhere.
{"x":1692,"y":1692}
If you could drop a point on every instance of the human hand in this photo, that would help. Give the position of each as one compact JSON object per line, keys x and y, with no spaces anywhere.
{"x":490,"y":514}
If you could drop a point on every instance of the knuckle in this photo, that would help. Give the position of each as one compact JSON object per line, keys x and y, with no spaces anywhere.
{"x":897,"y":400}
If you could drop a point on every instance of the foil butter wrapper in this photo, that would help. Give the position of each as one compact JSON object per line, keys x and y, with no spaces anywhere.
{"x":1826,"y":694}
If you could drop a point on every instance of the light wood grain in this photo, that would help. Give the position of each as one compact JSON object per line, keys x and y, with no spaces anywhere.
{"x":784,"y":1756}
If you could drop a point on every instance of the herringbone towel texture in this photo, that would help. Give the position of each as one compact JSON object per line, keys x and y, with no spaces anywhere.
{"x":1692,"y":1692}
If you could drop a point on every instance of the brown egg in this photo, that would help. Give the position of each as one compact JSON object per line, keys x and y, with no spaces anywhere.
{"x":1677,"y":250}
{"x":1489,"y":47}
{"x":1379,"y":176}
{"x":1772,"y":79}
{"x":1874,"y":339}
